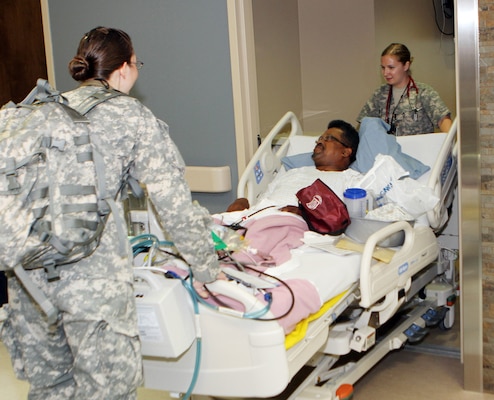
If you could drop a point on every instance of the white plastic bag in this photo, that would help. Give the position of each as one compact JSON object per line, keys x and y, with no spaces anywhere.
{"x":389,"y":183}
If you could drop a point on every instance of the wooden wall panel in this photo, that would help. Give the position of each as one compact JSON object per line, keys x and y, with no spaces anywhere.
{"x":22,"y":51}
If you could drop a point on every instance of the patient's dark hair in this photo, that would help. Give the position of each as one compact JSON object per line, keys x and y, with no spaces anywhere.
{"x":350,"y":135}
{"x":101,"y":51}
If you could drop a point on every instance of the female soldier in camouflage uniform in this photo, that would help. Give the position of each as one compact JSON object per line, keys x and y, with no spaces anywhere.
{"x":408,"y":107}
{"x":93,"y":351}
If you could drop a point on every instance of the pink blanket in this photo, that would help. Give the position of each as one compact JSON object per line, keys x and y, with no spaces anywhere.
{"x":290,"y":307}
{"x":272,"y":237}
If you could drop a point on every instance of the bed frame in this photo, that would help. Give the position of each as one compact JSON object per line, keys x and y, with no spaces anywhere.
{"x":247,"y":358}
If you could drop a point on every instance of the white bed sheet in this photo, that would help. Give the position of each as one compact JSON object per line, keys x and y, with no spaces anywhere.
{"x":330,"y":274}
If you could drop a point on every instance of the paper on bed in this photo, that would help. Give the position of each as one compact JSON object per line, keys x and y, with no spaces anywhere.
{"x":331,"y":248}
{"x":379,"y":253}
{"x":324,"y":243}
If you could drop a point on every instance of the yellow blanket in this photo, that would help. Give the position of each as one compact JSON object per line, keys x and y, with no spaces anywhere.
{"x":300,"y":330}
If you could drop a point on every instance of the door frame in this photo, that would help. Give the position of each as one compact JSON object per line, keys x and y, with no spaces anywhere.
{"x":468,"y":106}
{"x":244,"y":79}
{"x":50,"y":64}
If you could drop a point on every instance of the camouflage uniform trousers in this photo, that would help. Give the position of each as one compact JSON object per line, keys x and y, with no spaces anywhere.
{"x":92,"y":352}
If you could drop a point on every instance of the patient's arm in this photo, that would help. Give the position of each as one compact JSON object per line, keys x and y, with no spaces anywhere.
{"x":238,"y":205}
{"x":292,"y":209}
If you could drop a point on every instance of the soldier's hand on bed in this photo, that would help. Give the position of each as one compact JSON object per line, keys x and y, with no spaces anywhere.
{"x":202,"y":291}
{"x":238,"y":205}
{"x":292,"y":209}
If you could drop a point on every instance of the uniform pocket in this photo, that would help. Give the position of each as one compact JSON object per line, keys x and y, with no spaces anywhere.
{"x":112,"y":360}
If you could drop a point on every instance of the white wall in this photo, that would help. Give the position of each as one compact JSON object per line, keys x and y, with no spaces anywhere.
{"x":186,"y":79}
{"x":336,"y":42}
{"x":433,"y":53}
{"x":276,"y":35}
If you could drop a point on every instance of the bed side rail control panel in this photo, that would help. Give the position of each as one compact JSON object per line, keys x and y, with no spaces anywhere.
{"x":261,"y":170}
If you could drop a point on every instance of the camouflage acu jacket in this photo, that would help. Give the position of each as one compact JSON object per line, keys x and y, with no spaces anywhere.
{"x":124,"y":129}
{"x":416,"y":113}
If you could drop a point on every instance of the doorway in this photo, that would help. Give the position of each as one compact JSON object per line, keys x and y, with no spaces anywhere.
{"x":466,"y":81}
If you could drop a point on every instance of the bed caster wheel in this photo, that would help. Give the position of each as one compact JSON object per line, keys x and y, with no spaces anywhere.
{"x":448,"y":321}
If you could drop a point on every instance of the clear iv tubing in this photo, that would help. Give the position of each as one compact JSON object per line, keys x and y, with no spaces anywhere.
{"x":145,"y":242}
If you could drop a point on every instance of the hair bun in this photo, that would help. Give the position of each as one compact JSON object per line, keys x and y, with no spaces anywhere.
{"x":79,"y":68}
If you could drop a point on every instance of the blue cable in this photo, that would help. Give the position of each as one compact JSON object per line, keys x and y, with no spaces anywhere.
{"x":188,"y":286}
{"x":147,"y":236}
{"x":146,"y":241}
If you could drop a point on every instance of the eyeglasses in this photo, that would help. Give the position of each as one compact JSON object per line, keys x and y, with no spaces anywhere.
{"x":138,"y":64}
{"x":331,"y":138}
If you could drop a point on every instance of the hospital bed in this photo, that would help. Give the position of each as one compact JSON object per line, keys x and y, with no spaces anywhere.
{"x":191,"y":348}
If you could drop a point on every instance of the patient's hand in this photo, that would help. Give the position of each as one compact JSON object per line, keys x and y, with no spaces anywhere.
{"x":238,"y":205}
{"x":292,"y":209}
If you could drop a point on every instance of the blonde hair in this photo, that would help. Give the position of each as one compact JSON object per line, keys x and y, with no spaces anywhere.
{"x":400,"y":51}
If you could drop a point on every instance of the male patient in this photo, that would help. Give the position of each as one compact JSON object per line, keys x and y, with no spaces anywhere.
{"x":335,"y":150}
{"x":276,"y":230}
{"x":330,"y":161}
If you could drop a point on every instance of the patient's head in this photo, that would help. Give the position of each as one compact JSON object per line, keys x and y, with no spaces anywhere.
{"x":336,"y":148}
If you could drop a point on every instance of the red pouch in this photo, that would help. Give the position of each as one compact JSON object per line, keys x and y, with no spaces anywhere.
{"x":322,"y":209}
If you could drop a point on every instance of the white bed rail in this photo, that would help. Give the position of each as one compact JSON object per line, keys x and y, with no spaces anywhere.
{"x":260,"y":171}
{"x":443,"y":178}
{"x":376,"y":278}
